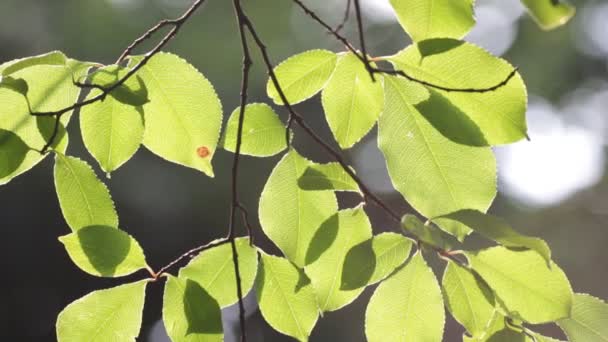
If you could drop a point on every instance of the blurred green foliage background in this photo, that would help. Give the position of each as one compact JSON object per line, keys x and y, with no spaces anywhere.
{"x":555,"y":186}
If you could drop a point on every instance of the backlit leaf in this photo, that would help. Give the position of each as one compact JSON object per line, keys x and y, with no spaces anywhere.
{"x":588,"y":320}
{"x":51,"y":58}
{"x":330,"y":176}
{"x":301,"y":212}
{"x":550,"y":14}
{"x":428,"y":233}
{"x":106,"y":315}
{"x":104,"y":251}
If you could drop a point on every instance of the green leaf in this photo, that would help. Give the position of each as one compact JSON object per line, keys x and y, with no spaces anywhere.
{"x":17,"y":85}
{"x":588,"y":320}
{"x":190,"y":314}
{"x":477,"y":119}
{"x":184,"y":116}
{"x":286,"y":297}
{"x":113,"y":129}
{"x":132,"y":92}
{"x":407,"y":306}
{"x":56,"y":58}
{"x":509,"y":335}
{"x":104,"y":251}
{"x":106,"y":315}
{"x":213,"y":270}
{"x":49,"y":88}
{"x":330,"y":176}
{"x":352,"y":101}
{"x":83,"y":198}
{"x":301,"y":212}
{"x":497,"y":229}
{"x":435,"y":18}
{"x":263,"y":132}
{"x":550,"y":14}
{"x":428,"y":233}
{"x":373,"y":260}
{"x":326,"y":256}
{"x":302,"y":76}
{"x":528,"y":288}
{"x":468,"y":298}
{"x":435,"y":175}
{"x":496,"y":323}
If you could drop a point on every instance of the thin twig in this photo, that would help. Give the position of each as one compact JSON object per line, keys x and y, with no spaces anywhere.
{"x":177,"y":24}
{"x":189,"y":254}
{"x":236,"y":205}
{"x":346,"y":16}
{"x":366,"y":61}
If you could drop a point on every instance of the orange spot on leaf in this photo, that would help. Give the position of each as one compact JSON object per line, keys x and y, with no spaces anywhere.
{"x":203,"y":152}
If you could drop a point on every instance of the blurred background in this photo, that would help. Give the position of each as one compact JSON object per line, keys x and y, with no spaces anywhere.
{"x":555,"y":186}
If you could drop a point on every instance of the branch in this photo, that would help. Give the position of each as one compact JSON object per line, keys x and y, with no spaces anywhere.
{"x":345,"y":18}
{"x":363,"y":57}
{"x":189,"y":254}
{"x":176,"y":23}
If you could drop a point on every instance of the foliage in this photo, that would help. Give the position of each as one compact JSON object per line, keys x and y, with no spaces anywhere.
{"x":439,"y":111}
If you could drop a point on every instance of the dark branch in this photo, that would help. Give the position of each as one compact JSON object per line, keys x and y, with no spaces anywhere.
{"x":346,"y":16}
{"x":366,"y":61}
{"x":177,"y":24}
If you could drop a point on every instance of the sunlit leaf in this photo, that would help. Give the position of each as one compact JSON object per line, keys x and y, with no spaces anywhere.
{"x":352,"y":101}
{"x":497,"y":229}
{"x":373,"y":260}
{"x":434,"y":174}
{"x":289,"y":215}
{"x":184,"y":115}
{"x":302,"y":76}
{"x":104,"y":251}
{"x":49,"y":88}
{"x":286,"y":298}
{"x":477,"y":119}
{"x":213,"y":269}
{"x":190,"y":314}
{"x":588,"y":320}
{"x":330,"y":176}
{"x":435,"y":18}
{"x":550,"y":14}
{"x":327,"y":253}
{"x":407,"y":306}
{"x":467,"y":298}
{"x":263,"y":132}
{"x":83,"y":198}
{"x":106,"y":315}
{"x":527,"y":287}
{"x":51,"y":58}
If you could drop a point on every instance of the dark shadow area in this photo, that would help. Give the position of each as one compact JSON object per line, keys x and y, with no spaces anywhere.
{"x":12,"y":152}
{"x":362,"y":259}
{"x":197,"y":306}
{"x":313,"y":179}
{"x":451,"y":121}
{"x":105,"y":247}
{"x":323,"y":238}
{"x":436,"y":46}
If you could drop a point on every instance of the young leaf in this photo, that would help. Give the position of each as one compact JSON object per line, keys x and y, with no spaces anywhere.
{"x":468,"y":298}
{"x":213,"y":270}
{"x":286,"y":297}
{"x":497,"y":229}
{"x":428,"y":233}
{"x":550,"y":14}
{"x":352,"y":101}
{"x":330,"y":176}
{"x":104,"y":251}
{"x":301,"y":212}
{"x":49,"y":88}
{"x":83,"y":198}
{"x":435,"y":175}
{"x":302,"y":76}
{"x":326,"y":256}
{"x":477,"y":119}
{"x":435,"y":19}
{"x":528,"y":288}
{"x":106,"y":315}
{"x":50,"y":58}
{"x":184,"y":115}
{"x":588,"y":320}
{"x":407,"y":306}
{"x":263,"y":132}
{"x":190,"y":314}
{"x":112,"y":131}
{"x":374,"y":259}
